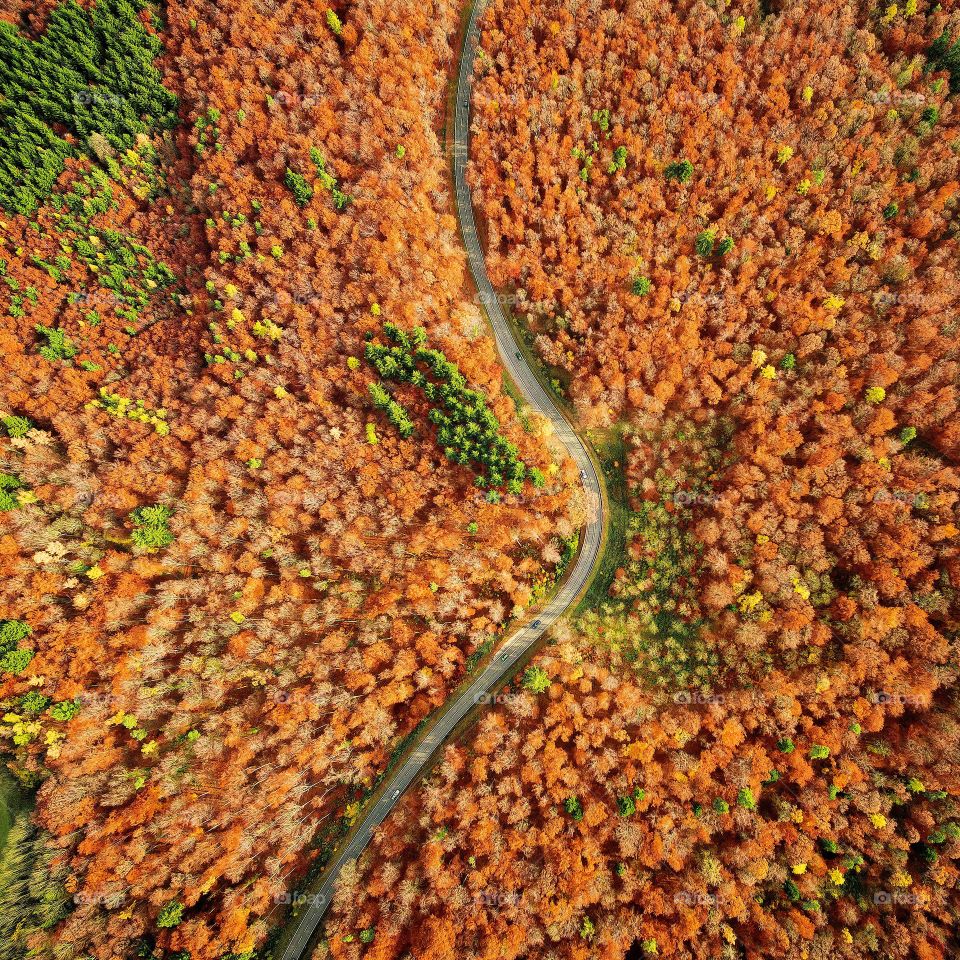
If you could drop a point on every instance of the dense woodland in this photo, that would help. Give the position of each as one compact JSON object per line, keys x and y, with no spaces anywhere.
{"x":732,"y":229}
{"x":235,"y":578}
{"x":265,"y":498}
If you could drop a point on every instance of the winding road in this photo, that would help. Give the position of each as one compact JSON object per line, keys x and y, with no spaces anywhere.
{"x":514,"y":648}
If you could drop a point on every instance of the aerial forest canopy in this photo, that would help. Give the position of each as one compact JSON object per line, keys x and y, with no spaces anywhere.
{"x":268,"y":496}
{"x":232,"y":586}
{"x":731,"y":232}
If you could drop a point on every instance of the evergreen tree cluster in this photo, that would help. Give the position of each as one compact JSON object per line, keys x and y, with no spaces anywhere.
{"x":13,"y":657}
{"x":467,"y":429}
{"x":395,"y":412}
{"x":91,"y":73}
{"x":150,"y":527}
{"x":944,"y":54}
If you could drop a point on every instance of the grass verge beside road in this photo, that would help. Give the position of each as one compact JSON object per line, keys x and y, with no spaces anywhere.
{"x":609,"y":450}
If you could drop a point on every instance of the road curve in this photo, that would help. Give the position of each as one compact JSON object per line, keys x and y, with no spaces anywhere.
{"x":591,"y":536}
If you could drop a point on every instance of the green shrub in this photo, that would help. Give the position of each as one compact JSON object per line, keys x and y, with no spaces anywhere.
{"x":574,"y":808}
{"x":16,"y":661}
{"x":704,"y":242}
{"x":11,"y":633}
{"x":467,"y":430}
{"x":58,"y":345}
{"x":299,"y":187}
{"x":8,"y":498}
{"x":640,"y":286}
{"x":32,"y":896}
{"x":13,"y":657}
{"x":150,"y":527}
{"x":170,"y":915}
{"x":328,"y":181}
{"x":34,"y":702}
{"x":16,"y":426}
{"x":65,"y":710}
{"x":536,"y":680}
{"x":396,"y":414}
{"x":619,"y":161}
{"x":680,"y":171}
{"x":944,"y":54}
{"x":333,"y":22}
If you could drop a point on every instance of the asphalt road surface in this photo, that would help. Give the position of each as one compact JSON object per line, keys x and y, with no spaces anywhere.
{"x":591,"y":536}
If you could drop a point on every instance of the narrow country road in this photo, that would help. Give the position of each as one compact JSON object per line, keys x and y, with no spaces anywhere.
{"x":591,"y":536}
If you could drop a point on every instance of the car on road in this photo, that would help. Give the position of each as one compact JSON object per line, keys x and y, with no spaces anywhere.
{"x":505,"y":656}
{"x":519,"y":357}
{"x":536,"y":623}
{"x":396,"y":793}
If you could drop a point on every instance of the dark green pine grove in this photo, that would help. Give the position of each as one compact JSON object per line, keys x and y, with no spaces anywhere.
{"x":944,"y":54}
{"x":467,"y":429}
{"x":90,"y":75}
